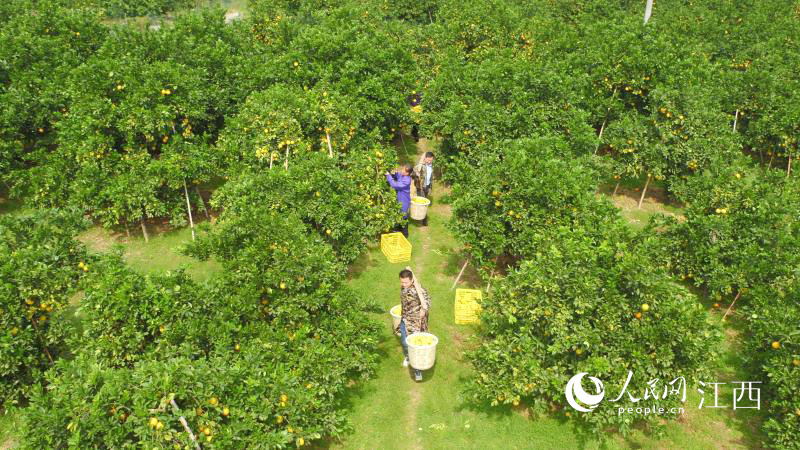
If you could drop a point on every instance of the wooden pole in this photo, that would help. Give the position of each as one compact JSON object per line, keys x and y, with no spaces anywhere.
{"x":144,"y":230}
{"x":603,"y":127}
{"x":732,"y":303}
{"x":735,"y":119}
{"x":644,"y":191}
{"x":789,"y":167}
{"x":491,"y":274}
{"x":202,"y":202}
{"x":600,"y":136}
{"x":330,"y":148}
{"x":185,"y":425}
{"x":459,"y":275}
{"x":188,"y":207}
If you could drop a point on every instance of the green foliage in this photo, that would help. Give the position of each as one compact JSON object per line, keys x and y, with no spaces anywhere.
{"x":129,"y":8}
{"x":509,"y":200}
{"x":41,"y":266}
{"x":274,"y":342}
{"x":325,"y":194}
{"x":741,"y":231}
{"x":572,"y":307}
{"x":772,"y":315}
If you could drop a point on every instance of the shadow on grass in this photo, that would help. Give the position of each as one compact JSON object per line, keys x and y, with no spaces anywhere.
{"x":364,"y":262}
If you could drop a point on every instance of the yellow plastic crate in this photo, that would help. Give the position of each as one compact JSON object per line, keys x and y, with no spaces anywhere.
{"x":395,"y":247}
{"x":468,"y":306}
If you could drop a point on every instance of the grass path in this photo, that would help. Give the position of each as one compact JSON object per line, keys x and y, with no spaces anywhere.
{"x":392,"y":411}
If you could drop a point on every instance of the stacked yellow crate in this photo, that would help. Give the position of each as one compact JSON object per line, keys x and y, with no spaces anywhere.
{"x":468,"y":306}
{"x":395,"y":247}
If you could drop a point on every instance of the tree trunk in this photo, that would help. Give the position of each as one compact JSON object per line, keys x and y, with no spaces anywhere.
{"x":202,"y":202}
{"x":188,"y":207}
{"x":330,"y":148}
{"x":127,"y":229}
{"x":615,"y":189}
{"x":644,"y":191}
{"x":144,"y":230}
{"x":769,"y":166}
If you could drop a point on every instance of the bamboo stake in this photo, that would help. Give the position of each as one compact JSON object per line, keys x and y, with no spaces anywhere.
{"x":644,"y":191}
{"x":732,"y":303}
{"x":603,"y":127}
{"x":600,"y":136}
{"x":185,"y":425}
{"x":648,"y":10}
{"x":489,"y":284}
{"x":769,"y":166}
{"x":271,"y":158}
{"x":615,"y":189}
{"x":330,"y":148}
{"x":188,"y":207}
{"x":735,"y":119}
{"x":789,"y":167}
{"x":286,"y":162}
{"x":144,"y":231}
{"x":459,"y":275}
{"x":202,"y":202}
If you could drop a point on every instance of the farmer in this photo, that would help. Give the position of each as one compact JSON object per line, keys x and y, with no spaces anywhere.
{"x":423,"y":178}
{"x":415,"y":306}
{"x":400,"y":180}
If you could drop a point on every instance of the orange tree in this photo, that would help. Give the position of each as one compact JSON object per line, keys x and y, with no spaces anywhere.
{"x":38,"y":51}
{"x":772,"y":317}
{"x":256,"y":358}
{"x":741,"y":231}
{"x":510,"y":197}
{"x":325,"y":193}
{"x":348,"y":46}
{"x":471,"y":104}
{"x":285,"y":121}
{"x":594,"y":304}
{"x":41,"y":265}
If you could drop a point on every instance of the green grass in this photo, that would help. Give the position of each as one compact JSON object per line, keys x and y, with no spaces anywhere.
{"x":9,"y":422}
{"x":158,"y":255}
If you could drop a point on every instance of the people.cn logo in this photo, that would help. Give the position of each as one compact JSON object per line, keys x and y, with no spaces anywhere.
{"x":575,"y":391}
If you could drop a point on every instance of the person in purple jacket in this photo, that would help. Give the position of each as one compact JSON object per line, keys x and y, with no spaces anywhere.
{"x":400,"y":181}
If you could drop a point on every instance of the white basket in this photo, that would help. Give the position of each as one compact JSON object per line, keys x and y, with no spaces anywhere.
{"x":418,"y":211}
{"x":421,"y":357}
{"x":395,"y":318}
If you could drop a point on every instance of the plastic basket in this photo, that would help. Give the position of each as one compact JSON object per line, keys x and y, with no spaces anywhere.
{"x":421,"y":357}
{"x":468,"y":306}
{"x":419,"y":208}
{"x":395,"y":247}
{"x":396,"y":313}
